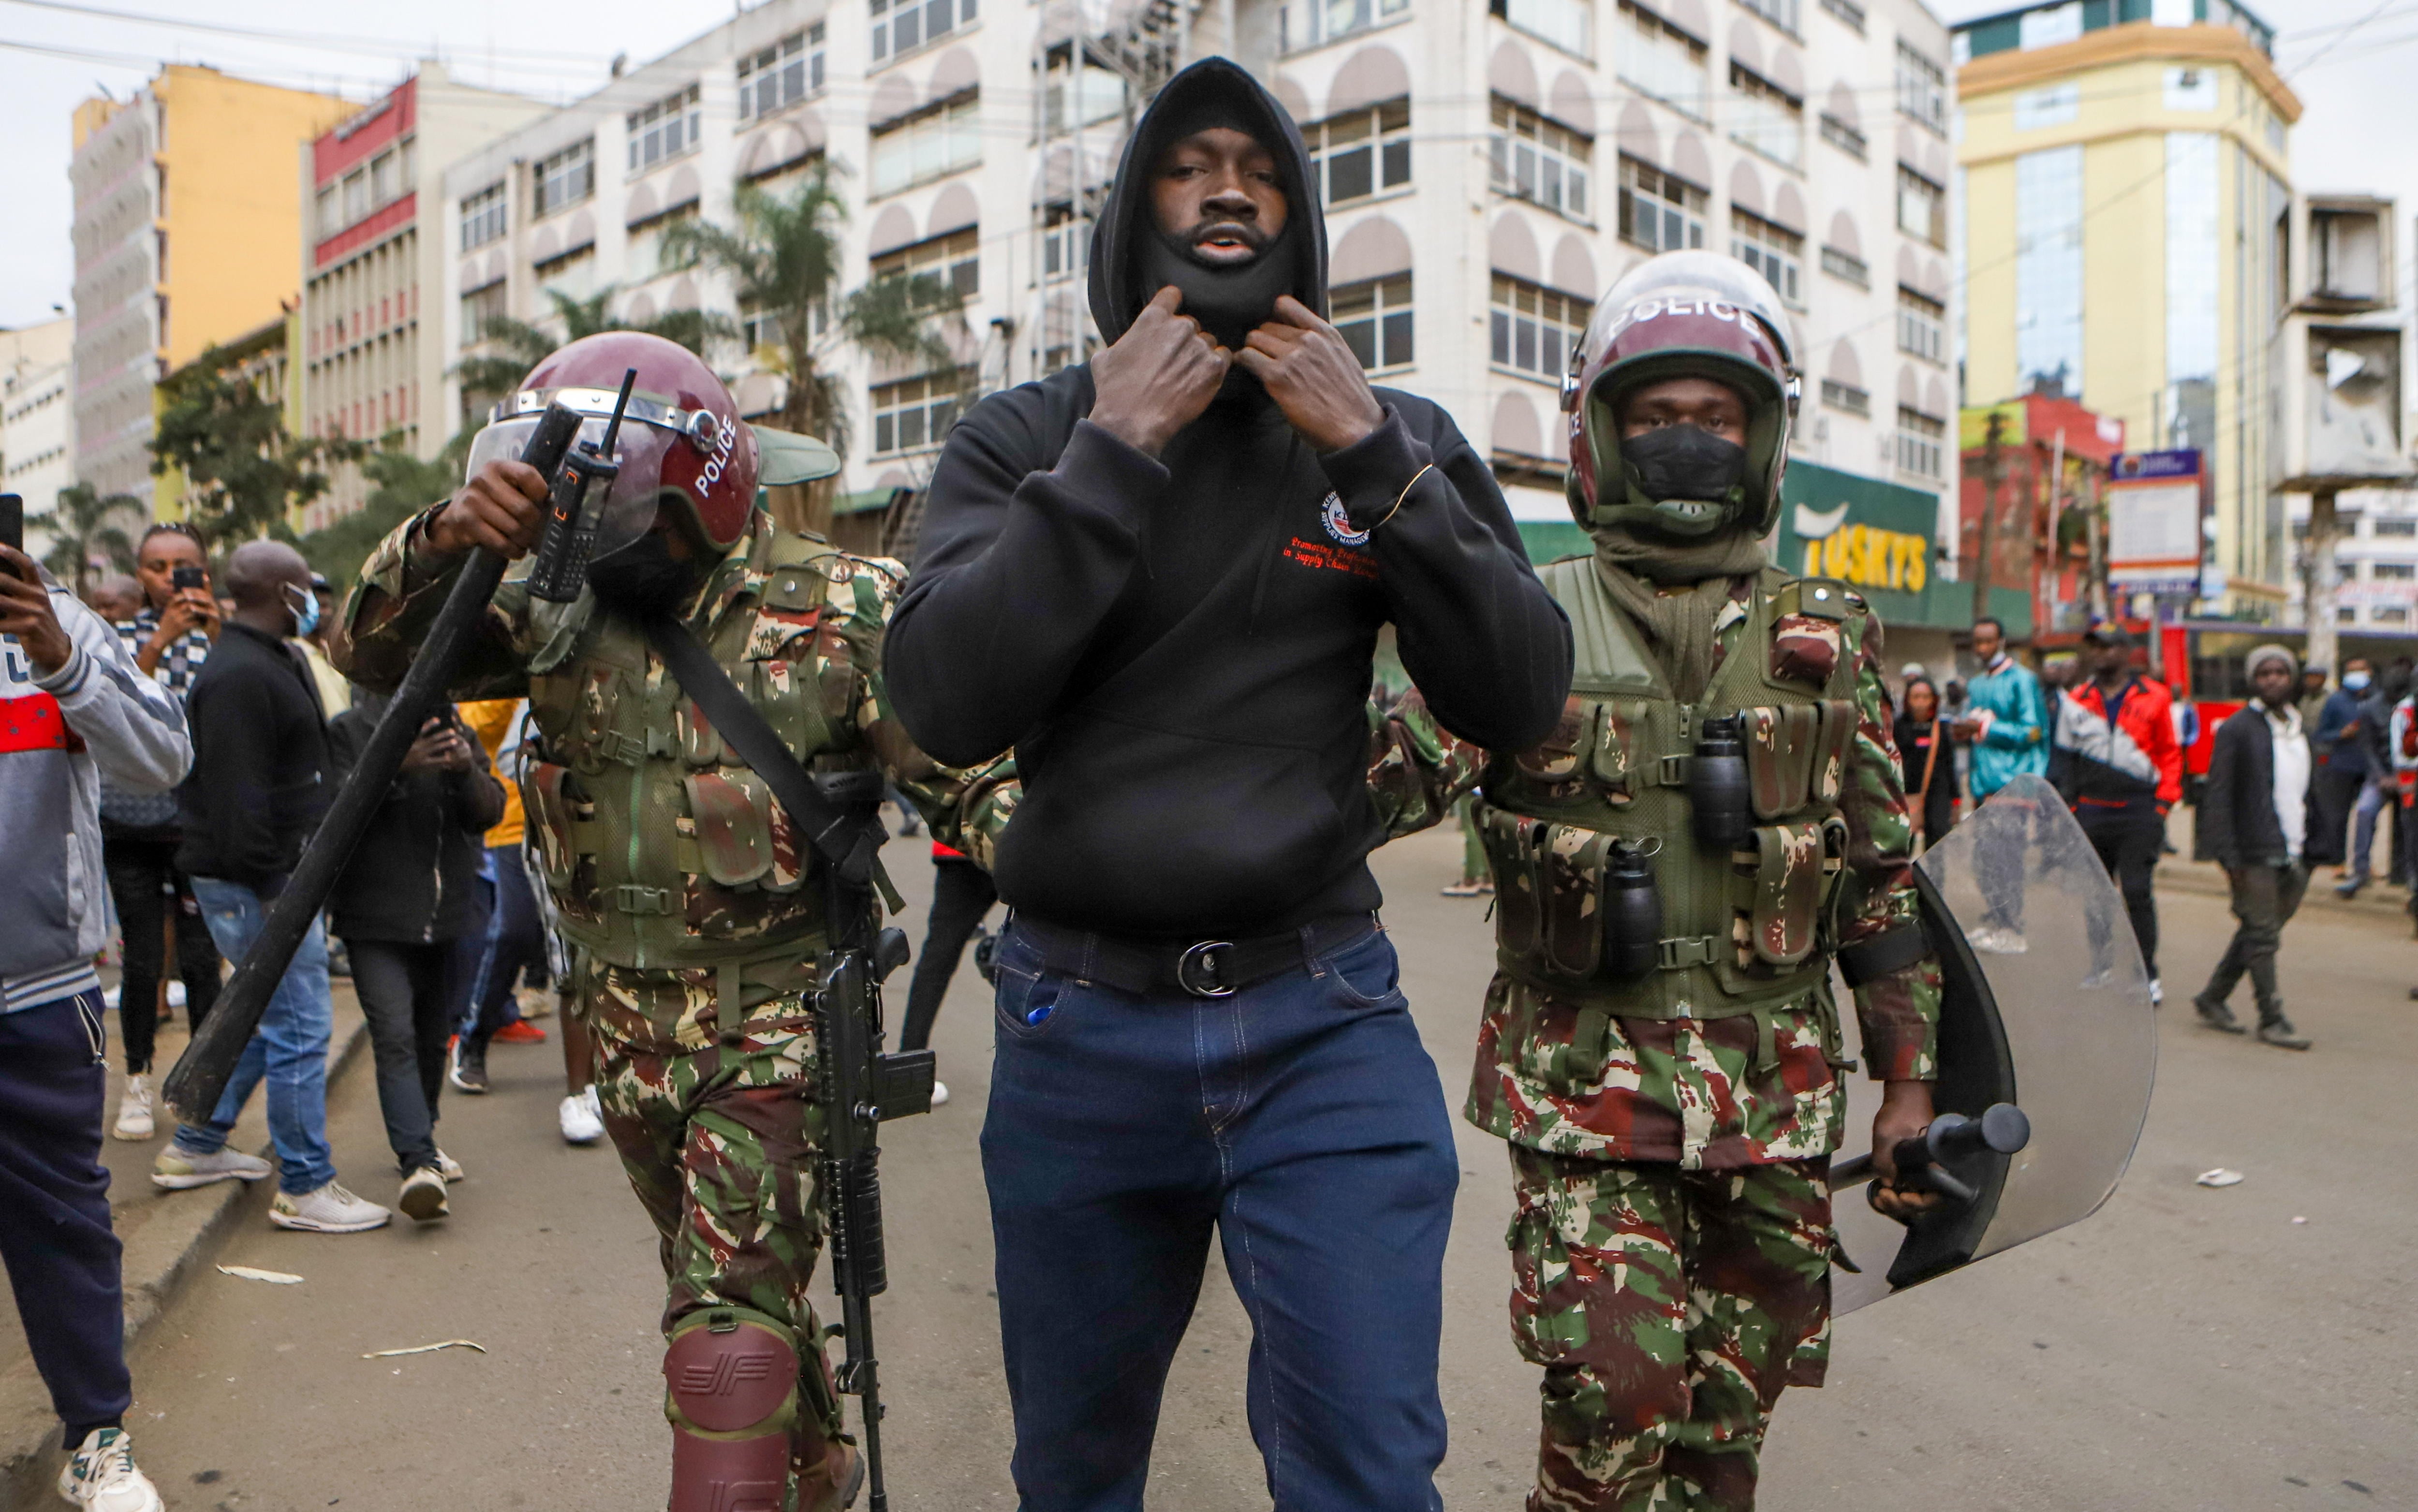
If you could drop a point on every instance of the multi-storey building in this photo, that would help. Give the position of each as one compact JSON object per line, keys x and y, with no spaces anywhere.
{"x":1487,"y":175}
{"x":2126,"y":169}
{"x":371,"y":246}
{"x":182,"y":195}
{"x":36,"y":421}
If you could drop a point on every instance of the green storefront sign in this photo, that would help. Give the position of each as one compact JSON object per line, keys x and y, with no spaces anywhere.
{"x":1881,"y":538}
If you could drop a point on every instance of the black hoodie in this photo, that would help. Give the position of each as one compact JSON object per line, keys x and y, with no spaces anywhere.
{"x":1179,"y":648}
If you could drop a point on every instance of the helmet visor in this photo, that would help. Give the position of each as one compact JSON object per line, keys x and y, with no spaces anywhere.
{"x":627,"y":511}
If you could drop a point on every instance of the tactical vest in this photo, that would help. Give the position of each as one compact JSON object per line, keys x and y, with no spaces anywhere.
{"x":1743,"y":932}
{"x":661,"y":847}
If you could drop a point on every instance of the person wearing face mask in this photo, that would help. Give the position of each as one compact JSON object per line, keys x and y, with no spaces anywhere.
{"x":2340,"y":746}
{"x":258,"y":789}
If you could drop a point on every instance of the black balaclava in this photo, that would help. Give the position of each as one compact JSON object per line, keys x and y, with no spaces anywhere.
{"x":643,"y":579}
{"x":1230,"y":302}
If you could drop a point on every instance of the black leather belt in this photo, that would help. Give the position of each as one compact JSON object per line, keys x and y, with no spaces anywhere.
{"x":1205,"y":968}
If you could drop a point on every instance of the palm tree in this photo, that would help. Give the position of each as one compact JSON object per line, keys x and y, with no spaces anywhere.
{"x":87,"y":524}
{"x":782,"y":259}
{"x":521,"y":345}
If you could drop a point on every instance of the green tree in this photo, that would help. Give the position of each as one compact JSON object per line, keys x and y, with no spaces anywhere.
{"x":402,"y":486}
{"x":242,"y":469}
{"x":782,"y":259}
{"x":86,"y":524}
{"x":518,"y":345}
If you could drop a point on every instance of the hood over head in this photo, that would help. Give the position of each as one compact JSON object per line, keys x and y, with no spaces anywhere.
{"x":1126,"y":249}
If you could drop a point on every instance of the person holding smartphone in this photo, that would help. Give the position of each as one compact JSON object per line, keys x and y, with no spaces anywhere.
{"x":170,"y":638}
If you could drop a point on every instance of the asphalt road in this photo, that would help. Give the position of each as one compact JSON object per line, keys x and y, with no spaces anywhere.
{"x":2187,"y":1348}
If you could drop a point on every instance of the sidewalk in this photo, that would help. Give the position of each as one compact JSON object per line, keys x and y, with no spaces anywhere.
{"x":162,"y":1231}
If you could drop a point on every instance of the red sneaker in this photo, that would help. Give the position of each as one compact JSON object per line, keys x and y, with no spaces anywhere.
{"x":519,"y":1032}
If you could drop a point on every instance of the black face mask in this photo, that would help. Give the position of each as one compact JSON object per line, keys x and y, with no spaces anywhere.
{"x":1684,"y":461}
{"x":642,"y":581}
{"x":1229,"y":302}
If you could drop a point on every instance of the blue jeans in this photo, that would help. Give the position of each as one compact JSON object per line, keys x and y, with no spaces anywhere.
{"x":1302,"y":1120}
{"x":289,"y":1049}
{"x":2372,"y":798}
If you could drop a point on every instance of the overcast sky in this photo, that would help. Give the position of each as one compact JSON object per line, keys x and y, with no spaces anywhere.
{"x":2359,"y":132}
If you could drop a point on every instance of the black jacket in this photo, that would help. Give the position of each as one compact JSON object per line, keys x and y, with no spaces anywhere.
{"x":1179,"y":648}
{"x":414,"y":876}
{"x":260,"y":758}
{"x":2237,"y":809}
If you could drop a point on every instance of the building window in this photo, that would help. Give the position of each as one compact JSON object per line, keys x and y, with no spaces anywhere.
{"x":1098,"y":96}
{"x":1920,"y":441}
{"x":1921,"y":208}
{"x":1375,"y":320}
{"x":1921,"y":326}
{"x":2390,"y":614}
{"x":2346,"y":614}
{"x":1846,"y":397}
{"x":1765,"y":117}
{"x":757,"y":330}
{"x":1921,"y":88}
{"x":356,"y":196}
{"x":566,"y":177}
{"x":1846,"y":11}
{"x":1659,"y":58}
{"x":572,"y":275}
{"x":1569,"y":25}
{"x":644,"y":258}
{"x":2394,"y":527}
{"x":1535,"y":159}
{"x":2048,"y":270}
{"x":485,"y":217}
{"x":926,"y":146}
{"x":1361,"y":153}
{"x":1316,"y":22}
{"x":1658,"y":212}
{"x":326,"y":209}
{"x":1062,"y":240}
{"x":2038,"y":109}
{"x":1847,"y":266}
{"x":1533,"y":328}
{"x":479,"y":306}
{"x":901,"y":26}
{"x":665,"y":129}
{"x":942,"y":267}
{"x":1771,"y":250}
{"x":2391,"y":572}
{"x":916,"y":412}
{"x":777,"y":77}
{"x":382,"y":189}
{"x":1843,"y":136}
{"x":1781,"y":13}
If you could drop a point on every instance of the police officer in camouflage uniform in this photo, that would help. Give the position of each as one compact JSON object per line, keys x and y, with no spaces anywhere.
{"x":697,"y":911}
{"x":1671,"y":1088}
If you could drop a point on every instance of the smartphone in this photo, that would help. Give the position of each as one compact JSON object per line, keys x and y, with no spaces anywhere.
{"x":12,"y":521}
{"x":188,"y":577}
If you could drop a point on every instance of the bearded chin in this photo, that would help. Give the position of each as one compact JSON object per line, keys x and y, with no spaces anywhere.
{"x":642,"y":581}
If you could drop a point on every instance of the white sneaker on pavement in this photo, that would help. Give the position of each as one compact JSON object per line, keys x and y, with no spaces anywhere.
{"x":2157,"y":993}
{"x":940,"y":1091}
{"x":1998,"y":942}
{"x":583,"y":1120}
{"x":451,"y":1168}
{"x":135,"y":1111}
{"x":180,"y":1168}
{"x":330,"y":1210}
{"x":101,"y":1474}
{"x":423,"y":1195}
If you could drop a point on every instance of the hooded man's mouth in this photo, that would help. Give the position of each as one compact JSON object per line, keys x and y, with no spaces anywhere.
{"x":1226,"y":243}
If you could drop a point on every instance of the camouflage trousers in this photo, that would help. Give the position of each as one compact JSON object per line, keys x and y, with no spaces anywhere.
{"x":1669,"y":1308}
{"x":719,"y":1133}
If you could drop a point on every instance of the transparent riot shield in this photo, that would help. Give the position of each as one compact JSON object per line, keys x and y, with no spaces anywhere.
{"x":2047,"y":1007}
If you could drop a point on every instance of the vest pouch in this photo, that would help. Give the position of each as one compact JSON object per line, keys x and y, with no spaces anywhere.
{"x":1510,"y":845}
{"x":1612,"y":754}
{"x":734,"y":840}
{"x":1841,"y":719}
{"x":1572,"y":861}
{"x":791,"y":702}
{"x":551,"y":794}
{"x":1781,"y":746}
{"x":700,"y":743}
{"x":1784,"y":908}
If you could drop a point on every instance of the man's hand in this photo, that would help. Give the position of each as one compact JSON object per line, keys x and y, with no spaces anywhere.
{"x":439,"y":747}
{"x":1159,"y":377}
{"x":1310,"y":372}
{"x":191,"y":609}
{"x":501,"y":510}
{"x":26,"y":613}
{"x":1906,"y":1112}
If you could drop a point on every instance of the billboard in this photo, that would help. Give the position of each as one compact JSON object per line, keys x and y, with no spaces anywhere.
{"x":2154,"y":522}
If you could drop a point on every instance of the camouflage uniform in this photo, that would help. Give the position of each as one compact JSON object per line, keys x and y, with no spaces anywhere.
{"x":696,"y":993}
{"x":1672,"y":1241}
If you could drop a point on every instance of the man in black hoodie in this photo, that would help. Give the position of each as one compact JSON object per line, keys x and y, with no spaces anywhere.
{"x":1161,"y":577}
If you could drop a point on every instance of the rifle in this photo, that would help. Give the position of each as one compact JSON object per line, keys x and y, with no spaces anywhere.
{"x":194,"y":1085}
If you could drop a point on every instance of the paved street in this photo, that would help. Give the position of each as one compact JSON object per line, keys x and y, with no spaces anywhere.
{"x":2185,"y":1348}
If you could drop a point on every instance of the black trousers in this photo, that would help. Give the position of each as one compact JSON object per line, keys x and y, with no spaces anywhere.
{"x":141,"y":873}
{"x":962,"y":894}
{"x":2264,"y":900}
{"x":403,"y":993}
{"x":2127,"y":842}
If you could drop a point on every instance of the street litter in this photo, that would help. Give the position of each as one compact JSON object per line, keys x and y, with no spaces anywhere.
{"x":246,"y":1272}
{"x":425,"y":1349}
{"x":2220,"y":1177}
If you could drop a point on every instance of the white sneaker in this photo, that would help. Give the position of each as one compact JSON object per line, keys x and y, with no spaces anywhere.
{"x":109,"y":995}
{"x":422,"y":1195}
{"x":180,"y":1168}
{"x":135,"y":1111}
{"x":1998,"y":942}
{"x":583,"y":1120}
{"x":940,"y":1091}
{"x":330,"y":1210}
{"x":451,"y":1168}
{"x":2157,"y":993}
{"x":101,"y":1474}
{"x":176,"y":993}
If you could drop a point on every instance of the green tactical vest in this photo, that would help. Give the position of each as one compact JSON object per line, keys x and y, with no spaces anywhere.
{"x":1744,"y":932}
{"x":662,"y":848}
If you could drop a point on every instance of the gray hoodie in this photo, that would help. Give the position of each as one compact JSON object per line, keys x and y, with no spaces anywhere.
{"x":58,"y":735}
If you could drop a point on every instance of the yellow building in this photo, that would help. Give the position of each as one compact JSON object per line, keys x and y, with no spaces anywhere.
{"x":2124,"y":177}
{"x":186,"y":213}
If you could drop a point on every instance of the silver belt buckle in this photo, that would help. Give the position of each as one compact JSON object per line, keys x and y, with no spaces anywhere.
{"x":1198,"y":958}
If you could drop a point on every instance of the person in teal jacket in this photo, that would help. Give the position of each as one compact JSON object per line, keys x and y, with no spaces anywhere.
{"x":2006,"y":725}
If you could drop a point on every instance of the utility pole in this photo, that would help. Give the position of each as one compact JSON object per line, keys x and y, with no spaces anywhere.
{"x":1993,"y":473}
{"x":2317,"y":585}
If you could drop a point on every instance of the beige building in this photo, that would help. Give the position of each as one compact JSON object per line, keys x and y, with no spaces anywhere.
{"x":372,"y":248}
{"x":36,"y":421}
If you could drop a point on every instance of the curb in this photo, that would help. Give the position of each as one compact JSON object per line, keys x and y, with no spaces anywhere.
{"x":162,"y":1254}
